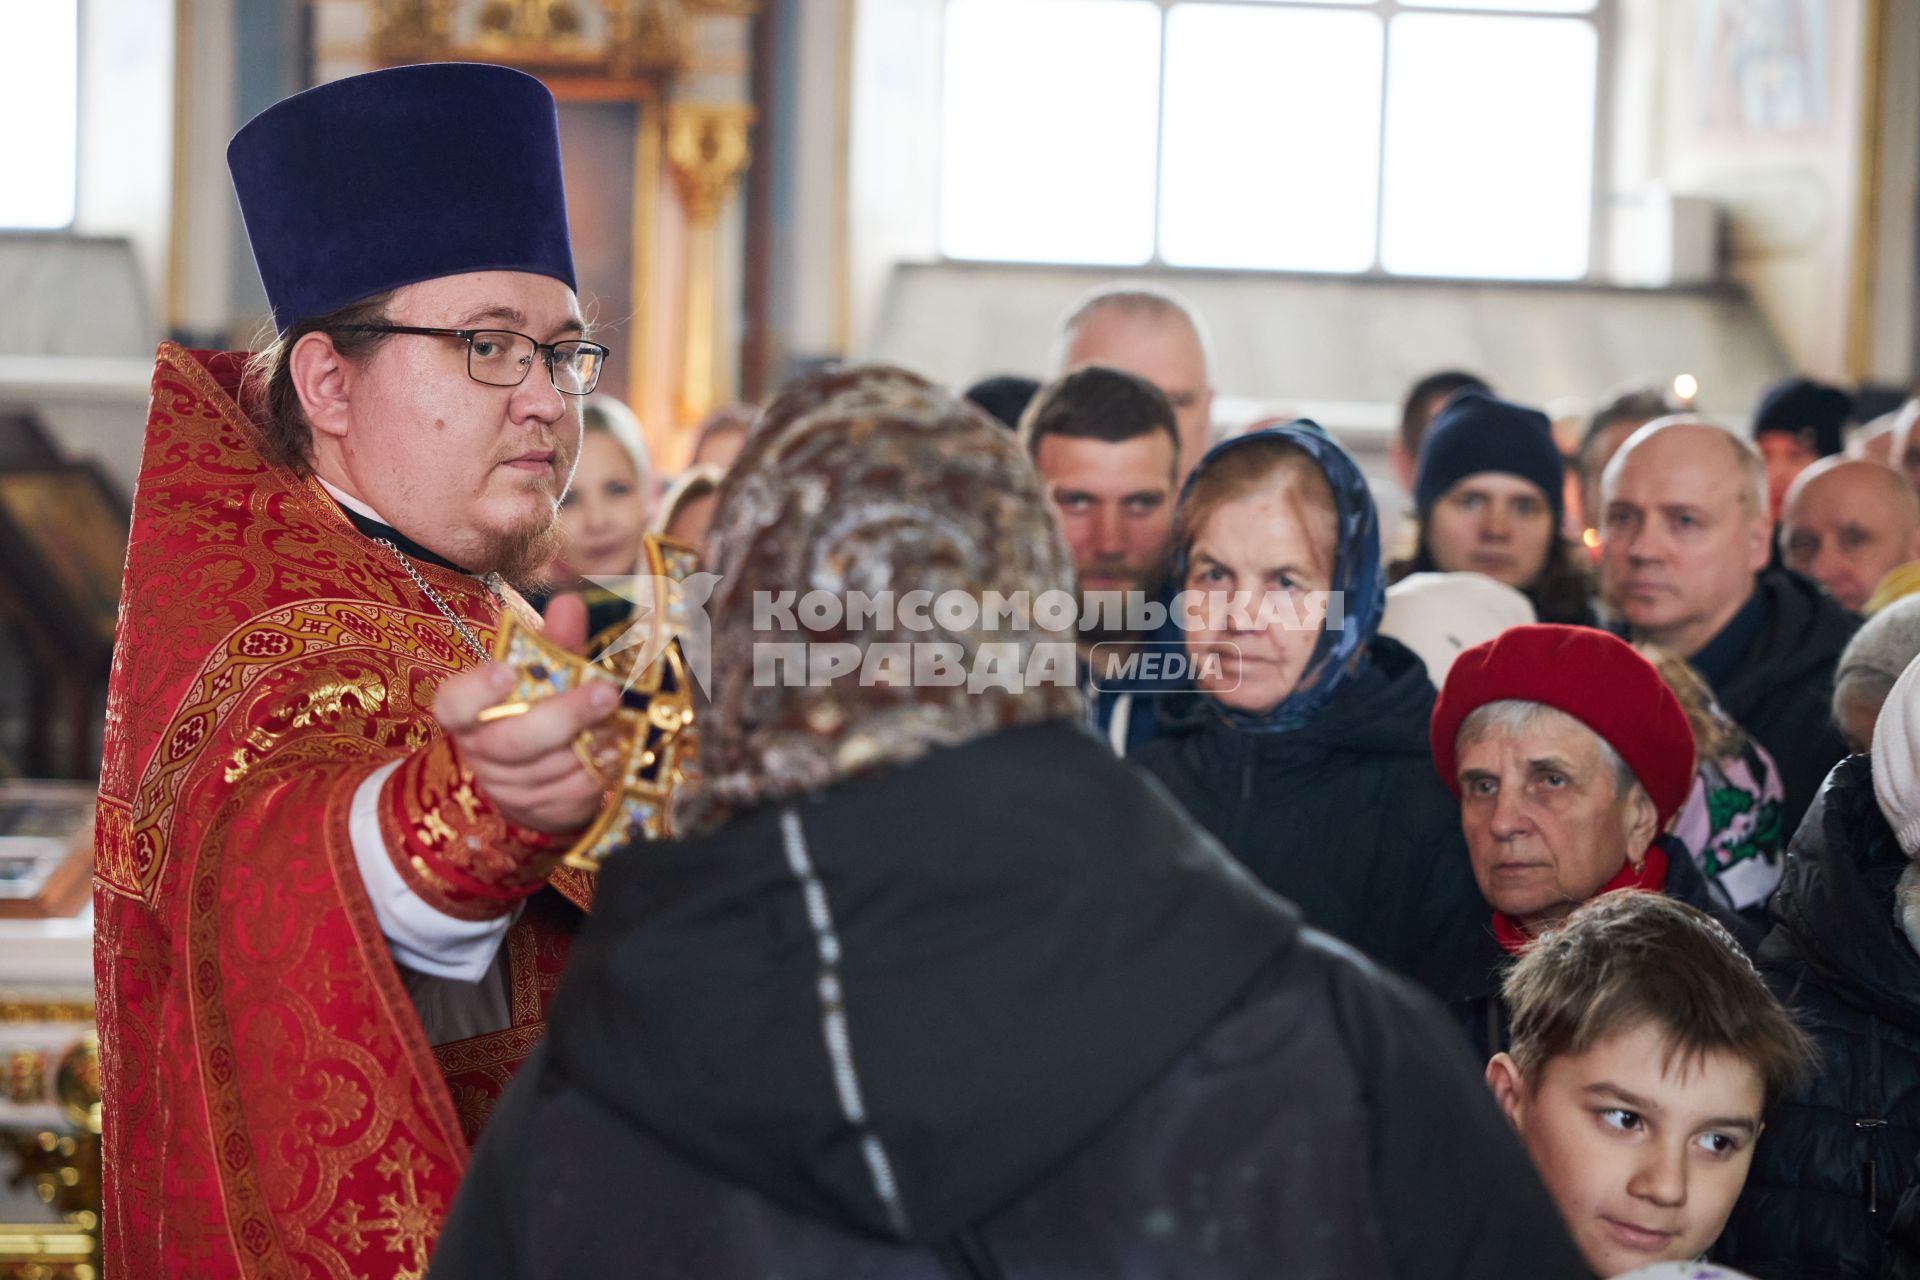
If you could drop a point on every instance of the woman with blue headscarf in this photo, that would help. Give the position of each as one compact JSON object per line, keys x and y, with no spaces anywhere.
{"x":1303,"y":747}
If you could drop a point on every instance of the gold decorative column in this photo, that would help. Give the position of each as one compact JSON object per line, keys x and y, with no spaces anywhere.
{"x":707,"y":149}
{"x":50,"y":1125}
{"x":1859,"y":350}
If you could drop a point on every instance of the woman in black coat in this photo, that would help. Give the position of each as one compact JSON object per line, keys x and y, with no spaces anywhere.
{"x":1304,"y":749}
{"x":1831,"y":1166}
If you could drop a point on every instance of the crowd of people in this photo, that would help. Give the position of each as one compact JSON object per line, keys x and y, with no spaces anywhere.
{"x":1525,"y":892}
{"x":1636,"y":666}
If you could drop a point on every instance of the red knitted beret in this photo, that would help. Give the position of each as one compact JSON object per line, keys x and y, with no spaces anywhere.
{"x":1594,"y":677}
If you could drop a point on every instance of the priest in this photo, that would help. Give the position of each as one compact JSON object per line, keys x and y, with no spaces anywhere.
{"x":328,"y":915}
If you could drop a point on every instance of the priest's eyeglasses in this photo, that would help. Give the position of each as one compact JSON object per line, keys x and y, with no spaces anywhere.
{"x":501,"y":357}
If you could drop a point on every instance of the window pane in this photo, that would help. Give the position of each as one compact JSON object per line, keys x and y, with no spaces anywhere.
{"x":1272,"y":138}
{"x":1489,"y":168}
{"x":1050,"y":110}
{"x":1515,"y":6}
{"x":39,"y":98}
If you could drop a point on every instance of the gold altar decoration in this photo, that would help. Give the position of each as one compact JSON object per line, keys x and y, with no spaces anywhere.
{"x":62,"y":1167}
{"x":47,"y":1253}
{"x":707,"y":147}
{"x":647,"y":749}
{"x":617,"y":39}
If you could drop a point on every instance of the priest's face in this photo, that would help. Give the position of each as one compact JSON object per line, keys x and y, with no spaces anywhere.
{"x":470,"y":470}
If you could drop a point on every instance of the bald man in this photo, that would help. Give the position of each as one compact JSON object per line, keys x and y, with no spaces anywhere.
{"x":1847,"y":523}
{"x":1154,"y":335}
{"x":1683,"y":564}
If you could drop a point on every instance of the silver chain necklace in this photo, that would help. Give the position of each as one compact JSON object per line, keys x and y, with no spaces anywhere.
{"x":466,"y":633}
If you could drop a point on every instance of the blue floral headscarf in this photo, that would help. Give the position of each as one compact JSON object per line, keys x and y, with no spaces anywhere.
{"x":1339,"y":655}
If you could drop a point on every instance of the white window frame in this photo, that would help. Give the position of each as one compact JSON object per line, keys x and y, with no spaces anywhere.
{"x":1602,"y":17}
{"x":79,"y":132}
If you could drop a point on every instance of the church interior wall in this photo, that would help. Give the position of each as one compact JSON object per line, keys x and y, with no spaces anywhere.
{"x":855,"y":190}
{"x":1787,"y":223}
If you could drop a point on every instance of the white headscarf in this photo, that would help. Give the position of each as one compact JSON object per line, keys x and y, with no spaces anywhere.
{"x":1896,"y":785}
{"x":1441,"y":615}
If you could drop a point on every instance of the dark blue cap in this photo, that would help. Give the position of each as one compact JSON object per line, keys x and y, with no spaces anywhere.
{"x":398,"y":176}
{"x":1476,"y":433}
{"x":1818,"y":414}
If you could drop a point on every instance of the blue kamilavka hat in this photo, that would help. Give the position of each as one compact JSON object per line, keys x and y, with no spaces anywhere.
{"x":397,"y":176}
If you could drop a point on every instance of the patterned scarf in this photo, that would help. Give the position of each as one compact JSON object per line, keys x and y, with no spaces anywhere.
{"x":869,"y":480}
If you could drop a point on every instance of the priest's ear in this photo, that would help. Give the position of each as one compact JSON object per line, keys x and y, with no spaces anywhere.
{"x":322,"y":378}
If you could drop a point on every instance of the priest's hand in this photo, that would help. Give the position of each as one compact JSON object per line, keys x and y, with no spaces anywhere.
{"x":526,"y":765}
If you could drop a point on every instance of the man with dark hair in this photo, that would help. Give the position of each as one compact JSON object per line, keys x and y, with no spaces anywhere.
{"x":1107,"y":446}
{"x":1424,"y":401}
{"x":326,"y":910}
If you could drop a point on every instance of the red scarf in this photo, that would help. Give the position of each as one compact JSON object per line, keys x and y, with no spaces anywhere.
{"x":1651,"y":875}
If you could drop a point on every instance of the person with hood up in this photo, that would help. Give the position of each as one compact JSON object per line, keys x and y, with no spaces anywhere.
{"x":937,"y":987}
{"x":1304,"y":750}
{"x":1844,"y":951}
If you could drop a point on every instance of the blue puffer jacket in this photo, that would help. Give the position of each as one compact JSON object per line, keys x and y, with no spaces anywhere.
{"x":1832,"y":1164}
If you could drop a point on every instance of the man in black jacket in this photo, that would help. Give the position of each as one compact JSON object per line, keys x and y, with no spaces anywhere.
{"x":1684,"y":548}
{"x":941,"y":989}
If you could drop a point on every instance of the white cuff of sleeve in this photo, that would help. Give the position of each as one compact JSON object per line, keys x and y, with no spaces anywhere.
{"x":421,"y":937}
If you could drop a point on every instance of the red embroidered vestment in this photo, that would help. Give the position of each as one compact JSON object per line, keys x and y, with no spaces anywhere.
{"x":272,"y":1106}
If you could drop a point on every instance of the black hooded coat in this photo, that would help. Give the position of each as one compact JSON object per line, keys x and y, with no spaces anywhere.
{"x":1002,"y":1012}
{"x":1830,"y":1168}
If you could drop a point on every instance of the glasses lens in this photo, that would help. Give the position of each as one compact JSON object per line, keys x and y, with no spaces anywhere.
{"x":499,"y":359}
{"x":576,"y":366}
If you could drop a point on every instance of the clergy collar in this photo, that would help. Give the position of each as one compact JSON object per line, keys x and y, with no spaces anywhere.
{"x":369,"y":523}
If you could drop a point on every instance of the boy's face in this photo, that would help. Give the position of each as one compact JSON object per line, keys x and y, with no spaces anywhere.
{"x":1644,"y":1160}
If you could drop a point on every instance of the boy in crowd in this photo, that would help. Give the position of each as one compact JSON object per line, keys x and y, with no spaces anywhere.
{"x":1645,"y":1051}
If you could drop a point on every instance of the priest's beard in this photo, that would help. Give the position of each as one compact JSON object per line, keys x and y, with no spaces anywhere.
{"x":522,"y":555}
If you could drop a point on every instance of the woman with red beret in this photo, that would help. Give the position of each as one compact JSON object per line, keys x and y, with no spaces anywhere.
{"x":1569,"y":755}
